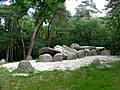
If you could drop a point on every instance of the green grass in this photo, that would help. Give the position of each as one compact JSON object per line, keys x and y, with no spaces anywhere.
{"x":87,"y":78}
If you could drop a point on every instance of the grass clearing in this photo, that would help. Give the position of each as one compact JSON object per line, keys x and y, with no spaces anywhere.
{"x":87,"y":78}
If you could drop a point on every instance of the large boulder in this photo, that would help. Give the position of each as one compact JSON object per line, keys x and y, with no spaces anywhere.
{"x":81,"y":53}
{"x":59,"y":48}
{"x":58,"y":57}
{"x":100,"y":48}
{"x":93,"y":52}
{"x":87,"y":47}
{"x":2,"y":61}
{"x":96,"y":61}
{"x":48,"y":50}
{"x":87,"y":52}
{"x":70,"y":53}
{"x":25,"y":67}
{"x":71,"y":56}
{"x":98,"y":51}
{"x":75,"y":46}
{"x":62,"y":50}
{"x":69,"y":49}
{"x":45,"y":58}
{"x":106,"y":52}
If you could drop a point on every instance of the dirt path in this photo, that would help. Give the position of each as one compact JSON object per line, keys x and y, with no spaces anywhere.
{"x":62,"y":65}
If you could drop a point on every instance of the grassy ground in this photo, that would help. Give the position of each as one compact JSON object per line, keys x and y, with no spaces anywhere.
{"x":87,"y":78}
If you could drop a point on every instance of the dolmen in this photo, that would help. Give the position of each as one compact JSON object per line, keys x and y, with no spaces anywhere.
{"x":59,"y":53}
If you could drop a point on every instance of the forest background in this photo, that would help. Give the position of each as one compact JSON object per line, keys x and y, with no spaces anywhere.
{"x":23,"y":34}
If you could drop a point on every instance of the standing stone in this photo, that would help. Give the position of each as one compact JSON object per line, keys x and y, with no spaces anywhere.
{"x":2,"y":61}
{"x":87,"y":52}
{"x":93,"y":52}
{"x":58,"y":57}
{"x":70,"y":53}
{"x":45,"y":58}
{"x":62,"y":50}
{"x":25,"y":67}
{"x":98,"y":51}
{"x":29,"y":58}
{"x":96,"y":62}
{"x":71,"y":56}
{"x":106,"y":52}
{"x":81,"y":53}
{"x":65,"y":54}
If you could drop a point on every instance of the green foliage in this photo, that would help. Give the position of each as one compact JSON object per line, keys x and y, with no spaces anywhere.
{"x":60,"y":26}
{"x":113,"y":24}
{"x":64,"y":29}
{"x":84,"y":30}
{"x":16,"y":12}
{"x":44,"y":8}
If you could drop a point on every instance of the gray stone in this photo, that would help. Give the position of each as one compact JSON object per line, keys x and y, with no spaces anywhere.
{"x":81,"y":53}
{"x":2,"y":61}
{"x":100,"y":48}
{"x":59,"y":48}
{"x":45,"y":58}
{"x":66,"y":47}
{"x":62,"y":50}
{"x":70,"y":49}
{"x":25,"y":67}
{"x":75,"y":46}
{"x":29,"y":58}
{"x":70,"y":53}
{"x":58,"y":57}
{"x":87,"y":47}
{"x":71,"y":56}
{"x":87,"y":52}
{"x":98,"y":51}
{"x":48,"y":50}
{"x":65,"y":54}
{"x":96,"y":62}
{"x":93,"y":52}
{"x":106,"y":52}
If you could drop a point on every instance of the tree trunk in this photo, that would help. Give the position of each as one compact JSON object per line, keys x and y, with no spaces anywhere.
{"x":23,"y":44}
{"x":9,"y":54}
{"x":34,"y":36}
{"x":22,"y":41}
{"x":11,"y":48}
{"x":49,"y":35}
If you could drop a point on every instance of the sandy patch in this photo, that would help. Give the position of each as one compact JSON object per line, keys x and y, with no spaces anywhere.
{"x":62,"y":65}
